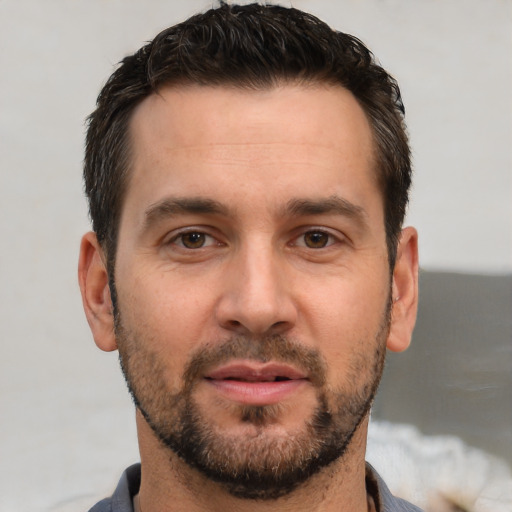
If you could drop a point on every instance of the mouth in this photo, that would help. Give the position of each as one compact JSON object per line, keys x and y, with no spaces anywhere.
{"x":252,"y":383}
{"x":278,"y":378}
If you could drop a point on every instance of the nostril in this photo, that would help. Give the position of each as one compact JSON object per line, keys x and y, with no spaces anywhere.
{"x":233,"y":315}
{"x":279,"y":324}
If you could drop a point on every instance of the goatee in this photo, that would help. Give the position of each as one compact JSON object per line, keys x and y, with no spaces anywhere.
{"x":260,"y":465}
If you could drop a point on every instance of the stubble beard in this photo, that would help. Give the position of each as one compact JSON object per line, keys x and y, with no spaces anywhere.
{"x":261,"y":465}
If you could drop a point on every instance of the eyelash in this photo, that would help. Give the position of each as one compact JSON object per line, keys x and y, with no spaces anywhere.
{"x":210,"y":240}
{"x":175,"y":240}
{"x":331,"y":238}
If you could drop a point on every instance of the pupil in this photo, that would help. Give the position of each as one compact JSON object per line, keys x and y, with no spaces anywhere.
{"x":316,"y":239}
{"x":193,"y":240}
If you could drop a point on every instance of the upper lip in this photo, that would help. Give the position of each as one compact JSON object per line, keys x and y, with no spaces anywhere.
{"x":255,"y":372}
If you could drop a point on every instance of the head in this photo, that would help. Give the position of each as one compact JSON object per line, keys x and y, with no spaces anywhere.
{"x":247,"y":173}
{"x":252,"y":47}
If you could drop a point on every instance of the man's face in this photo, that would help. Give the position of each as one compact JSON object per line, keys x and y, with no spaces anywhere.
{"x":252,"y":279}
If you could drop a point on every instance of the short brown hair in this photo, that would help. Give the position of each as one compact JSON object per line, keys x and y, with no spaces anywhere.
{"x":251,"y":46}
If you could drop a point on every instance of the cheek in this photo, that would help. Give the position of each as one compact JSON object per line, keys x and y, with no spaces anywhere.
{"x":345,"y":305}
{"x":164,"y":300}
{"x":164,"y":321}
{"x":346,"y":321}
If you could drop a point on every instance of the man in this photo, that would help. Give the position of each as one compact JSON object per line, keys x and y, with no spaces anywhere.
{"x":247,"y":174}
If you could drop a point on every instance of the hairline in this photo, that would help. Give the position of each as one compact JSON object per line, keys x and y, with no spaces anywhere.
{"x":111,"y":243}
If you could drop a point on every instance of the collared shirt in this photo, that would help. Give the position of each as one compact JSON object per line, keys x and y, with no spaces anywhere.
{"x":128,"y":487}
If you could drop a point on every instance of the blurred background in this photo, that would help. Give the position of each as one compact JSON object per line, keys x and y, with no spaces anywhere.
{"x":66,"y":422}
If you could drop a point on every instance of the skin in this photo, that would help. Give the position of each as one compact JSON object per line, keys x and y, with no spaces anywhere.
{"x":317,"y":275}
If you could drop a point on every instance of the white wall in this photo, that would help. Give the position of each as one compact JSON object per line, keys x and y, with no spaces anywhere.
{"x":453,"y":59}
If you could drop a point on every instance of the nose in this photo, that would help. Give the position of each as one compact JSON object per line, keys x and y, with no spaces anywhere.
{"x":257,"y":298}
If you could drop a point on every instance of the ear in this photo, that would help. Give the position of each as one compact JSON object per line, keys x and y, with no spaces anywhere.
{"x":93,"y":280}
{"x":404,"y":291}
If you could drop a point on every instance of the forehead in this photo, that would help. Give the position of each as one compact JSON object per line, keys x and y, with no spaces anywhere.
{"x":190,"y":115}
{"x":291,"y":140}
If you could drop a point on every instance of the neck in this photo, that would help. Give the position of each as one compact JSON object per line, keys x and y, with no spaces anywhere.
{"x":168,"y":484}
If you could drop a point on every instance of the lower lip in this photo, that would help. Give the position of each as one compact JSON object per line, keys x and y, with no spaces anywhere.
{"x":257,"y":393}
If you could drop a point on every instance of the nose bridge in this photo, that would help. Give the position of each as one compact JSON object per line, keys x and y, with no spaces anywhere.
{"x":261,"y":276}
{"x":256,"y":299}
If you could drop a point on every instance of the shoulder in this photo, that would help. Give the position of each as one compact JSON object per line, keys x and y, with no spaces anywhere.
{"x":382,"y":495}
{"x":400,"y":505}
{"x":122,"y":499}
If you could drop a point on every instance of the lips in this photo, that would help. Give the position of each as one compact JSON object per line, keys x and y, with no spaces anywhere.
{"x":252,"y":383}
{"x":252,"y":372}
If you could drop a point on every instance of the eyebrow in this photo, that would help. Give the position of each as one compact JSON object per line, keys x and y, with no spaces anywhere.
{"x":298,"y":207}
{"x":178,"y":205}
{"x":324,"y":206}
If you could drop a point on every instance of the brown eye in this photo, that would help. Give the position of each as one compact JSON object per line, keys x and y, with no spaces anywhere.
{"x":316,"y":239}
{"x":193,"y":240}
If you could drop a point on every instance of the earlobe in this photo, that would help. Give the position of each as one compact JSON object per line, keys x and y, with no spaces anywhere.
{"x":94,"y":286}
{"x":404,"y":292}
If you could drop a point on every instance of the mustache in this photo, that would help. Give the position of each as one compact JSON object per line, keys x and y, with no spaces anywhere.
{"x":275,"y":348}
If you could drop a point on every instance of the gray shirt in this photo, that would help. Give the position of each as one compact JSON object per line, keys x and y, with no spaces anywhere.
{"x":128,"y":487}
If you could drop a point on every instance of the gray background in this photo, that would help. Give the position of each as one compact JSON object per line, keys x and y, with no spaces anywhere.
{"x":66,"y":427}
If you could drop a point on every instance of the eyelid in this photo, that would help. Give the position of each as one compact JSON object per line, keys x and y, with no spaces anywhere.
{"x":335,"y":237}
{"x":175,"y":235}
